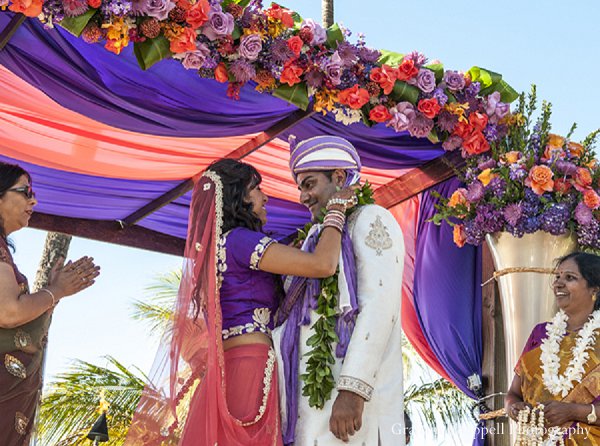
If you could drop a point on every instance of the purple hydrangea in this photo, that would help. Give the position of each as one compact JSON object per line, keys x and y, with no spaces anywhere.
{"x":242,"y":70}
{"x":426,"y":80}
{"x":441,"y":97}
{"x":454,"y":80}
{"x":513,"y":213}
{"x":473,"y":89}
{"x":589,"y":235}
{"x":491,"y":132}
{"x":516,"y":172}
{"x":53,"y":9}
{"x":498,"y":186}
{"x":515,"y":231}
{"x":473,"y":232}
{"x":555,"y":219}
{"x":319,"y":33}
{"x":475,"y":191}
{"x":583,"y":214}
{"x":421,"y":126}
{"x":531,"y":224}
{"x":489,"y":219}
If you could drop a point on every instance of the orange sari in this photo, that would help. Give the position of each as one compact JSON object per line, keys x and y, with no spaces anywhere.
{"x":529,"y":369}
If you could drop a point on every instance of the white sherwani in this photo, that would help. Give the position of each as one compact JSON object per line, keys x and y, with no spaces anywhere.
{"x":372,"y":367}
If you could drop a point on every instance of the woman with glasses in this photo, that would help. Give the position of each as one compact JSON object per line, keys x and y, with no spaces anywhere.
{"x":25,"y":316}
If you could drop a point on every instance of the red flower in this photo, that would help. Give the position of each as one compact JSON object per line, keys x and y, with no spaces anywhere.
{"x":385,"y":76}
{"x":354,"y":97}
{"x":476,"y":144}
{"x":29,"y":8}
{"x":407,"y":70}
{"x":197,"y":15}
{"x":429,"y":107}
{"x":291,"y":74}
{"x":463,"y":129}
{"x":94,"y":3}
{"x":295,"y":44}
{"x":278,"y":13}
{"x":221,"y":73}
{"x":380,"y":113}
{"x":478,"y":121}
{"x":186,"y":41}
{"x":562,"y":186}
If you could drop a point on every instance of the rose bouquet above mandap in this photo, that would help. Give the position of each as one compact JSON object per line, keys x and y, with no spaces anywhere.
{"x":298,"y":60}
{"x":528,"y":180}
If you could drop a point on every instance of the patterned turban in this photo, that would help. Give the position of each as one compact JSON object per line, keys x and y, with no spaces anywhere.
{"x":324,"y":153}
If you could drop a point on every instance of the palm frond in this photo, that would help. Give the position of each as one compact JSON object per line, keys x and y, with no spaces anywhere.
{"x":157,"y":310}
{"x":68,"y":409}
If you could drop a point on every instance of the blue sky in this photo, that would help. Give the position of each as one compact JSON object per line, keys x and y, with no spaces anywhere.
{"x":552,"y":44}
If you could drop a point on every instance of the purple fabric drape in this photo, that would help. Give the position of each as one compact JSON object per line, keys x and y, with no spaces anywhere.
{"x":447,"y":294}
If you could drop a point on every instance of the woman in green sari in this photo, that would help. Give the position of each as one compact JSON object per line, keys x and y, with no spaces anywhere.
{"x":560,"y":365}
{"x":24,"y":316}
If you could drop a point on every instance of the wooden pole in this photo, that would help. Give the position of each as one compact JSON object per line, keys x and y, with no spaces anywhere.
{"x":16,"y":21}
{"x":327,"y":13}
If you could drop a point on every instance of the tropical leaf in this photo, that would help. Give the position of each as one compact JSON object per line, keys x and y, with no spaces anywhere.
{"x":151,"y":51}
{"x":334,"y":36}
{"x":297,"y":94}
{"x":490,"y":82}
{"x":405,"y":92}
{"x":390,"y":58}
{"x":156,"y":311}
{"x":75,"y":25}
{"x":438,"y":69}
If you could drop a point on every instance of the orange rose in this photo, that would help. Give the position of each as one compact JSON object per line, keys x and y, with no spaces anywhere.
{"x":354,"y":97}
{"x":562,"y":186}
{"x":380,"y":113}
{"x":407,"y":70}
{"x":291,"y":74}
{"x":512,"y":157}
{"x":476,"y":144}
{"x":186,"y":41}
{"x":197,"y":15}
{"x":591,"y":199}
{"x":385,"y":77}
{"x":583,"y":179}
{"x":556,"y":141}
{"x":478,"y":121}
{"x":575,"y":149}
{"x":94,"y":3}
{"x":551,"y":152}
{"x":29,"y":8}
{"x":458,"y":197}
{"x":221,"y":73}
{"x":486,"y":176}
{"x":459,"y":236}
{"x":463,"y":129}
{"x":540,"y":179}
{"x":295,"y":44}
{"x":429,"y":107}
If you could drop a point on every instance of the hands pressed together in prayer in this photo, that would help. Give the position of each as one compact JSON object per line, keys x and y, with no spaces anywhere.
{"x":72,"y":277}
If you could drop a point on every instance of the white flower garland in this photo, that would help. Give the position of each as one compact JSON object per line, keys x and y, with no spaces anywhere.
{"x":562,"y":384}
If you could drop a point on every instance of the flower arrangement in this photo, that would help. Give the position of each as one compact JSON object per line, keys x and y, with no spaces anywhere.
{"x":238,"y":41}
{"x":528,"y":180}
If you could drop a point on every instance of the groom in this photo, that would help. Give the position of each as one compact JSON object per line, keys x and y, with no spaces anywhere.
{"x":366,"y":407}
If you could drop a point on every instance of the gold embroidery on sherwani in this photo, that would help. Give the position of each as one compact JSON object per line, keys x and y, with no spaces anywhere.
{"x":21,"y":422}
{"x":15,"y":367}
{"x":378,"y":237}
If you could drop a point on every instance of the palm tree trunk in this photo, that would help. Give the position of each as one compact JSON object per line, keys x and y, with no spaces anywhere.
{"x":55,"y":247}
{"x":327,"y":12}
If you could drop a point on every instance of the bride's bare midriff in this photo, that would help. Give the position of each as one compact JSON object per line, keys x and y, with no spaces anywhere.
{"x":245,"y":339}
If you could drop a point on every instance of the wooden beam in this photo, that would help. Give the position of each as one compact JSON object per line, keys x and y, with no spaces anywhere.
{"x":241,"y":152}
{"x":16,"y":21}
{"x":110,"y":232}
{"x":417,"y":180}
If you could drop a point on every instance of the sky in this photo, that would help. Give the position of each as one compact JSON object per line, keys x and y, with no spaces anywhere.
{"x":550,"y":43}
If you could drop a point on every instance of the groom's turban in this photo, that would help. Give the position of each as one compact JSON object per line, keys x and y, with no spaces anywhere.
{"x":324,"y":153}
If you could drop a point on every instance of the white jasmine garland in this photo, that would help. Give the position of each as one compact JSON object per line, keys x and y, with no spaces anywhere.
{"x":562,"y":384}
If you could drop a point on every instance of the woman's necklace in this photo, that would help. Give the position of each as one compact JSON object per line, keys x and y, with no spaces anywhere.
{"x":561,"y":384}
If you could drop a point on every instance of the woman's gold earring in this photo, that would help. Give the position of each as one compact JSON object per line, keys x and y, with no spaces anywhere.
{"x":338,"y":188}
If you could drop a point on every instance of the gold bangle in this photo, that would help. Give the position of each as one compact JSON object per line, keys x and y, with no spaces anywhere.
{"x":54,"y":302}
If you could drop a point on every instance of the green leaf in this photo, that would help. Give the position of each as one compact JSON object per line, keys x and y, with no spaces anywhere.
{"x":236,"y":33}
{"x":297,"y":94}
{"x":507,"y":93}
{"x":334,"y":36}
{"x":433,"y":137}
{"x":490,"y":82}
{"x":242,"y":3}
{"x":438,"y":69}
{"x":390,"y":58}
{"x":151,"y":51}
{"x":75,"y":25}
{"x":405,"y":92}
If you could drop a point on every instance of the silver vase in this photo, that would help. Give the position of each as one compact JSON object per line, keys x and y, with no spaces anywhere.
{"x":527,"y":297}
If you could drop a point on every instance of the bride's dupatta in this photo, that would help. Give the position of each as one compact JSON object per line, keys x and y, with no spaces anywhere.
{"x":190,"y":357}
{"x":529,"y":368}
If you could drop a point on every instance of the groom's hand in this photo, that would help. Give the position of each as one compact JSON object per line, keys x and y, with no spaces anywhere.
{"x":346,"y":415}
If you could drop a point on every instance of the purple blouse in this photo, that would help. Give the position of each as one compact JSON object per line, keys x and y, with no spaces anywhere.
{"x":249,"y":297}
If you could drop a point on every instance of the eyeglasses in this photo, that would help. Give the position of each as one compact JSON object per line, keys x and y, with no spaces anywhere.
{"x":25,"y":190}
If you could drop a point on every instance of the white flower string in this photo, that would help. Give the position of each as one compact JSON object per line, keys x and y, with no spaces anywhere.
{"x":562,"y":384}
{"x":531,"y":431}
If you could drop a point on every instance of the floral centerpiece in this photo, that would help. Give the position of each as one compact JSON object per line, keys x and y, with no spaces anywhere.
{"x":528,"y":180}
{"x":239,"y":41}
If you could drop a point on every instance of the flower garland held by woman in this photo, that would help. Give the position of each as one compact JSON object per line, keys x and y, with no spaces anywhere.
{"x":221,"y":335}
{"x":560,"y":365}
{"x":24,"y":316}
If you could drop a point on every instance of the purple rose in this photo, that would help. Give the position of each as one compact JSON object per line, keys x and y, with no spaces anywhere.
{"x":319,"y":33}
{"x":583,"y":214}
{"x":426,"y":80}
{"x":421,"y":126}
{"x":158,"y":9}
{"x":452,"y":143}
{"x":402,"y":116}
{"x":250,"y":46}
{"x":194,"y":60}
{"x":220,"y":24}
{"x":333,"y":69}
{"x":454,"y":80}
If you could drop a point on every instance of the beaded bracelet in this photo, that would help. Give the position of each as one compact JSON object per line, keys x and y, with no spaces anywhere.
{"x":352,"y":201}
{"x":54,"y":302}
